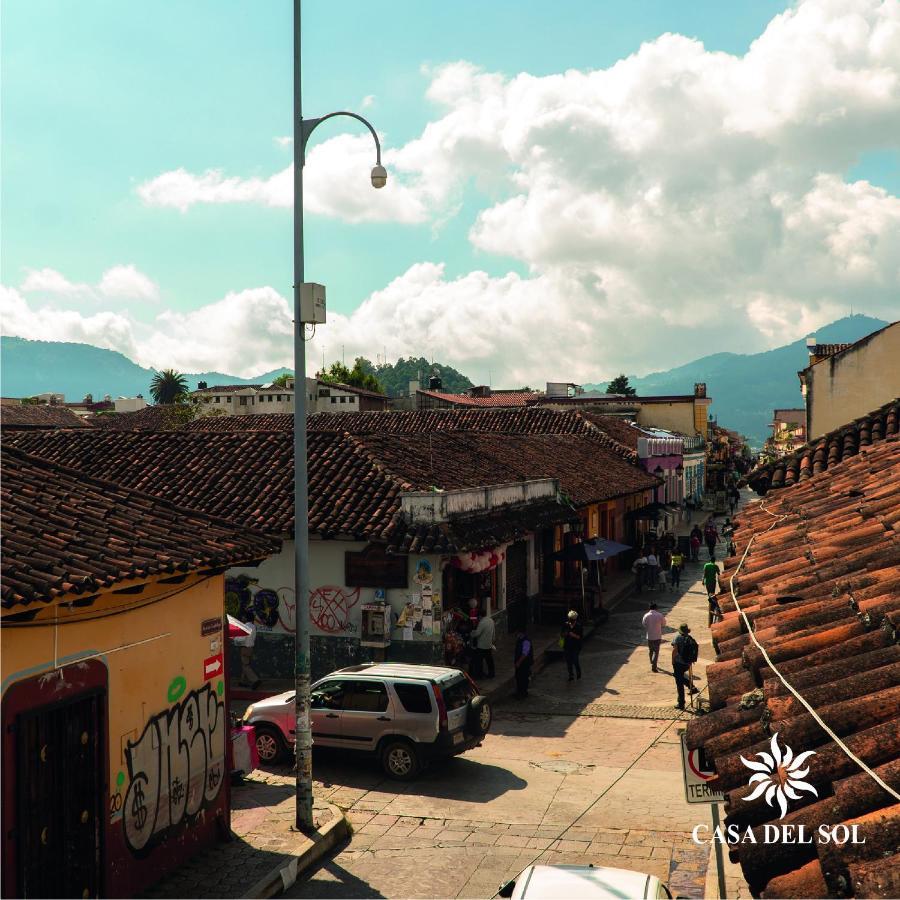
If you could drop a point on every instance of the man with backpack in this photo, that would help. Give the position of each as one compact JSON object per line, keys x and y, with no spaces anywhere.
{"x":684,"y":654}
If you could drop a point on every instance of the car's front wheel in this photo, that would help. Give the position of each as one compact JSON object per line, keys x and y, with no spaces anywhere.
{"x":400,"y":760}
{"x":269,"y":745}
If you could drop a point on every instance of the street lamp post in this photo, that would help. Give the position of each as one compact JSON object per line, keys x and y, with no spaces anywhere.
{"x":303,"y":128}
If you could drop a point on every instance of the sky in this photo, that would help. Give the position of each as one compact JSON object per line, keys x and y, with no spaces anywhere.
{"x":575,"y":189}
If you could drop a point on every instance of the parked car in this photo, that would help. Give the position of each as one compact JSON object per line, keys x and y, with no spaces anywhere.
{"x":406,"y":715}
{"x":583,"y":883}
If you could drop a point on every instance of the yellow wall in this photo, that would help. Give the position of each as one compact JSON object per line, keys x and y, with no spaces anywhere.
{"x":685,"y":416}
{"x":157,"y":696}
{"x":854,"y":383}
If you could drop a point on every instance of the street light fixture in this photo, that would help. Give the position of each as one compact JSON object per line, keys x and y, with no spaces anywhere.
{"x":303,"y":128}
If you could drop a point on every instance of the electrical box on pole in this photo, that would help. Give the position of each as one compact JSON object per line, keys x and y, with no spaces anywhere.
{"x":312,"y":303}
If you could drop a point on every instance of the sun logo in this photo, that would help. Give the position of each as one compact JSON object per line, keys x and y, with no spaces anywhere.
{"x":779,"y":776}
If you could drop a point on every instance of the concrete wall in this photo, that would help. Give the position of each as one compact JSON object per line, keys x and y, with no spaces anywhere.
{"x":335,"y":612}
{"x":164,"y":712}
{"x":844,"y":387}
{"x":685,"y":416}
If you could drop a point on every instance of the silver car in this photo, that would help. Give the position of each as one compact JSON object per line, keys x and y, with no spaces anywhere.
{"x":406,"y":715}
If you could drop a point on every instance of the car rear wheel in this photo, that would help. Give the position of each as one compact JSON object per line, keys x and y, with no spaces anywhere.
{"x":400,"y":760}
{"x":480,"y":715}
{"x":269,"y":745}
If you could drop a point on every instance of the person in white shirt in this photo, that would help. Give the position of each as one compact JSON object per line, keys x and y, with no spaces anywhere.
{"x":652,"y":570}
{"x":639,"y":568}
{"x":483,"y":648}
{"x":653,"y":624}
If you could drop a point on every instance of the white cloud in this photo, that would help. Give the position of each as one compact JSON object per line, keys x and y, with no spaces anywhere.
{"x":244,"y":333}
{"x":335,"y":183}
{"x":676,"y":202}
{"x":285,"y":141}
{"x":119,"y":283}
{"x":50,"y":281}
{"x":127,"y":283}
{"x":367,"y":102}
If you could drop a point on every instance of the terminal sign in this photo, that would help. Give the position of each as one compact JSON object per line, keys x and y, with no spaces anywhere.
{"x":698,"y":772}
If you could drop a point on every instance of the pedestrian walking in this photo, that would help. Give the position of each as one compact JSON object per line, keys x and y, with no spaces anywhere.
{"x":711,"y":582}
{"x":653,"y":623}
{"x":684,"y":654}
{"x":638,"y":567}
{"x":734,"y":496}
{"x":696,"y":540}
{"x":572,"y":634}
{"x":652,"y":570}
{"x":675,"y":569}
{"x":523,"y":660}
{"x":711,"y":536}
{"x":483,"y":648}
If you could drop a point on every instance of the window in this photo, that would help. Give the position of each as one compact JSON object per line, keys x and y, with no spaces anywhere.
{"x":457,"y":694}
{"x":343,"y":399}
{"x":228,"y":399}
{"x":278,"y":398}
{"x":414,"y":697}
{"x":269,"y":398}
{"x":243,"y":401}
{"x":218,"y":399}
{"x":365,"y":696}
{"x":334,"y":399}
{"x":328,"y":695}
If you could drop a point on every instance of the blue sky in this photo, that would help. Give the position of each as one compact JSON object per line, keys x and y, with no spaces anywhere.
{"x":101,"y":98}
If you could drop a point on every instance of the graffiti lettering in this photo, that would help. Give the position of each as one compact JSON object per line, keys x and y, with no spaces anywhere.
{"x":329,"y":608}
{"x":175,"y":768}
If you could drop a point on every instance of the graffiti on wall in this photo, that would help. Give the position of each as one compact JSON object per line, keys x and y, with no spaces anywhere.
{"x":329,"y":609}
{"x":267,"y":608}
{"x":175,"y":768}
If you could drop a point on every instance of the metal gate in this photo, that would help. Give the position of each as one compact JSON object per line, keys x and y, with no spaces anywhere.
{"x":59,"y":769}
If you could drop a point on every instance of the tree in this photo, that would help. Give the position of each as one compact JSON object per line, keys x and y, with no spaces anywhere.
{"x":620,"y":385}
{"x":282,"y":380}
{"x":356,"y":377}
{"x":168,"y":386}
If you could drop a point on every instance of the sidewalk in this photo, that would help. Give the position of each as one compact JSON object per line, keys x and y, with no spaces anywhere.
{"x":545,"y":639}
{"x":265,"y":855}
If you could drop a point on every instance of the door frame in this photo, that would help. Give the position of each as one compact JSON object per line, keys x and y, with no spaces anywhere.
{"x":42,"y":693}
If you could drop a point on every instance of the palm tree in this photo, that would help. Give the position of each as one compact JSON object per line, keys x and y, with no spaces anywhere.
{"x":167,"y":386}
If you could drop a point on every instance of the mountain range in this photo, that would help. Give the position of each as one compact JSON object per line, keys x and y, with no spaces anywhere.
{"x":28,"y":368}
{"x":745,"y":388}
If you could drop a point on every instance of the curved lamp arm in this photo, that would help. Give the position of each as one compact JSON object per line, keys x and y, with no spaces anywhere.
{"x":308,"y":126}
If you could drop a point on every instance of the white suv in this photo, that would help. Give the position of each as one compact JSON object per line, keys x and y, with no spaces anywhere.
{"x":407,"y":715}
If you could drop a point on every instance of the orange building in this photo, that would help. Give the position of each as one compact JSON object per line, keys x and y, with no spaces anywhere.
{"x":113,"y":694}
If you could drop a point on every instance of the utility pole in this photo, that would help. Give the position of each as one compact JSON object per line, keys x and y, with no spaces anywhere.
{"x":302,"y":730}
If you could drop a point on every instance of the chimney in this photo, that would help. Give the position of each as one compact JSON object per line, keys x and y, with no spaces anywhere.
{"x":700,"y":389}
{"x":413,"y":386}
{"x":811,"y":346}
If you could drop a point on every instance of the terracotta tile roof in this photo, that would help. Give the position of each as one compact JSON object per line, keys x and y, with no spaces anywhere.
{"x":355,"y":481}
{"x":617,"y":434}
{"x":497,"y":398}
{"x":65,"y":532}
{"x":227,"y":388}
{"x":150,"y":418}
{"x":586,"y":470}
{"x":822,"y":591}
{"x":826,"y":451}
{"x":523,"y":421}
{"x":28,"y":415}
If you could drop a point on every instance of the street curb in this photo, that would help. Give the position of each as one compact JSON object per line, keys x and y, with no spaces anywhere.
{"x":505,"y":688}
{"x":292,"y":865}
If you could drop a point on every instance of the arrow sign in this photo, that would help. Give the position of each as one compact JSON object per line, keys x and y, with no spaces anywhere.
{"x":212,"y":667}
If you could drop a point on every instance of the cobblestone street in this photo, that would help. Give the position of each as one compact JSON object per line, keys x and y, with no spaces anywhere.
{"x":582,"y":772}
